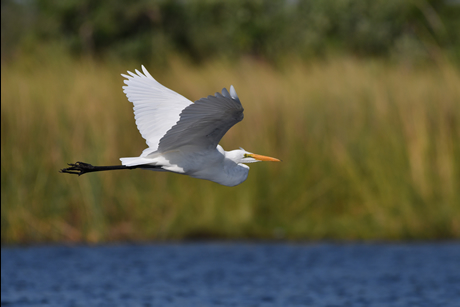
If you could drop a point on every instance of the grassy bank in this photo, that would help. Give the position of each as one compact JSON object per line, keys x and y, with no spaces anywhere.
{"x":369,"y":150}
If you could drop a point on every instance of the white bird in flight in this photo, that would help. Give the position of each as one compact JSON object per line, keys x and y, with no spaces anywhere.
{"x":182,"y":136}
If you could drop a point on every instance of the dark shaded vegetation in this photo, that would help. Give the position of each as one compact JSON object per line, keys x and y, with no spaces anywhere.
{"x":149,"y":30}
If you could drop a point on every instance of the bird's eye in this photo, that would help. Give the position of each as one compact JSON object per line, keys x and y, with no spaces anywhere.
{"x":247,"y":155}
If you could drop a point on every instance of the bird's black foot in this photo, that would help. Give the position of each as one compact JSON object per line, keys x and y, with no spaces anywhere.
{"x":79,"y":168}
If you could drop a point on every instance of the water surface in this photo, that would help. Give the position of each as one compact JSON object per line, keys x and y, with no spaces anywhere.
{"x":233,"y":274}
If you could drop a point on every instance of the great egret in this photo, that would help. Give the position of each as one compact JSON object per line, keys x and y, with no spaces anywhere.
{"x":182,"y":136}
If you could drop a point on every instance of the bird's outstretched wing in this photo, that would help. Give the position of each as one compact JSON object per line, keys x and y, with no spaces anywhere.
{"x":156,"y":108}
{"x":204,"y":123}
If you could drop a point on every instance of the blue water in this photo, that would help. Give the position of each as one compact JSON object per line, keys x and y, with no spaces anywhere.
{"x":233,"y":274}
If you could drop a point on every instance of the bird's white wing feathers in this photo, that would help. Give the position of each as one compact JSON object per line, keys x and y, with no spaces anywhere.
{"x":204,"y":123}
{"x":156,"y":108}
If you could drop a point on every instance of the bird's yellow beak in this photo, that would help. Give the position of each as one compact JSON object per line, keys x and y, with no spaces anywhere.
{"x":264,"y":158}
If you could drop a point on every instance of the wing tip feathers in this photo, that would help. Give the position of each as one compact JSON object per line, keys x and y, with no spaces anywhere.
{"x":233,"y":93}
{"x":138,"y":74}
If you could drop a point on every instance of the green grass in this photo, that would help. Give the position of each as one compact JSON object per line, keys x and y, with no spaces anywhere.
{"x":370,"y":151}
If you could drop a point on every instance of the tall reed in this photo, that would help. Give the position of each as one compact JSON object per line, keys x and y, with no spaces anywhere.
{"x":370,"y":151}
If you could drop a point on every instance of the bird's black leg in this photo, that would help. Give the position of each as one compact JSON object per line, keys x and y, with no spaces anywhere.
{"x":80,"y":168}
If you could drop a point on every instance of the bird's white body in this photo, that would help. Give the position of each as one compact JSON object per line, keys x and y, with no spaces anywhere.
{"x":216,"y":164}
{"x":183,"y":135}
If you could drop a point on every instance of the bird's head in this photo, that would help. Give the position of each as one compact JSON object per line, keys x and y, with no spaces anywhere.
{"x":243,"y":156}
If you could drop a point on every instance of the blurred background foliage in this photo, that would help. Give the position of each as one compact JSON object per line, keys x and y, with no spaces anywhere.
{"x":360,"y":99}
{"x":150,"y":30}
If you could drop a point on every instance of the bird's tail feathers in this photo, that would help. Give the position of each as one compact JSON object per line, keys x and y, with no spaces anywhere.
{"x":136,"y":161}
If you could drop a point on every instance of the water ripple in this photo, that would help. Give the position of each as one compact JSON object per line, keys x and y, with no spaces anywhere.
{"x":232,"y":274}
